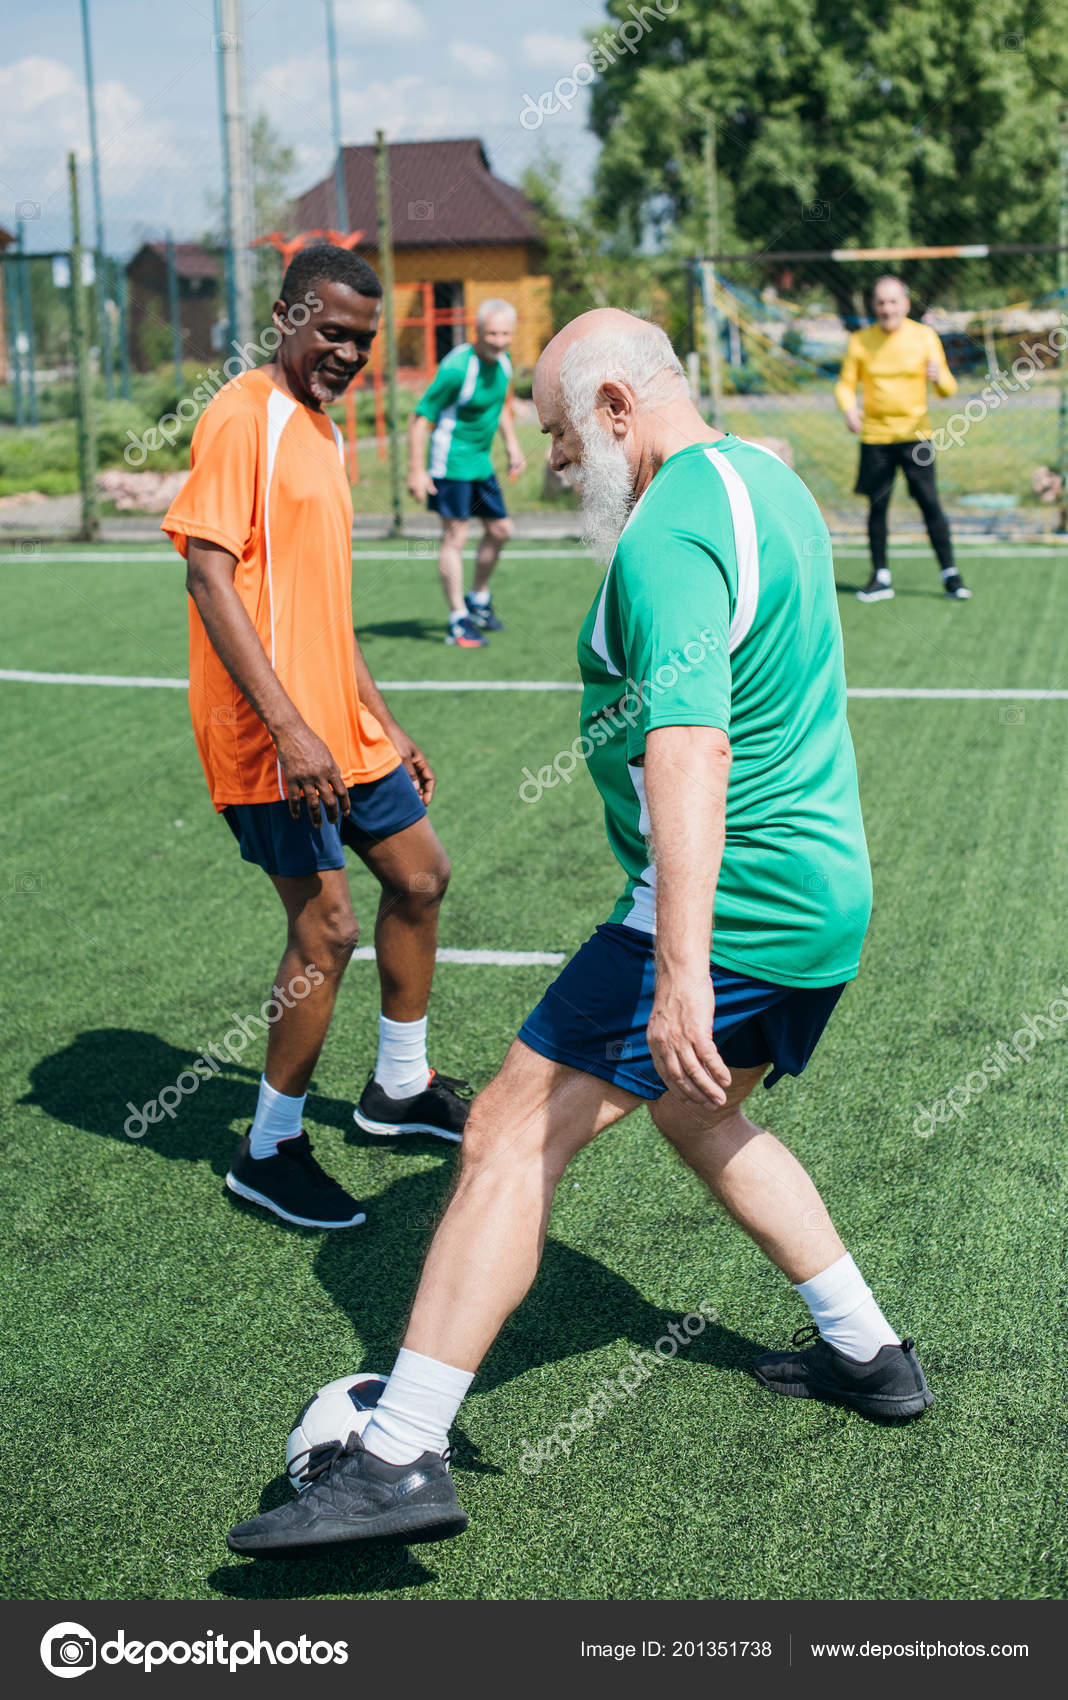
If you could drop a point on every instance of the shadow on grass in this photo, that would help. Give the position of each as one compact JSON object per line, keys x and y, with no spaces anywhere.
{"x":923,"y":595}
{"x":418,"y":630}
{"x":376,"y":1568}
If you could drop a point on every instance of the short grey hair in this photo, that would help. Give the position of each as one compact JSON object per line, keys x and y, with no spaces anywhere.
{"x":891,"y":277}
{"x":642,"y":358}
{"x":488,"y":309}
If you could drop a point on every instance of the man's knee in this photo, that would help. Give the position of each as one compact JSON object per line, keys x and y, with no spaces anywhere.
{"x":499,"y":530}
{"x":454,"y":533}
{"x":331,"y":938}
{"x":424,"y":889}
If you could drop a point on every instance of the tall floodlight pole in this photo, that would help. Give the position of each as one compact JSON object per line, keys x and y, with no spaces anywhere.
{"x":341,"y":198}
{"x":238,"y":165}
{"x":98,"y":207}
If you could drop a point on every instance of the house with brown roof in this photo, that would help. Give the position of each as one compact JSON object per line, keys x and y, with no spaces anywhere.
{"x":201,"y":305}
{"x":456,"y":227}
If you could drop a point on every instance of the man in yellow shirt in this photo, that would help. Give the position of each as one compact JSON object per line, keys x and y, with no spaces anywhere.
{"x":892,"y":362}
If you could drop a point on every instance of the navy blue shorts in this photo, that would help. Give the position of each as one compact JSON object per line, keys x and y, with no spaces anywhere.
{"x":594,"y":1015}
{"x":270,"y":837}
{"x":468,"y":498}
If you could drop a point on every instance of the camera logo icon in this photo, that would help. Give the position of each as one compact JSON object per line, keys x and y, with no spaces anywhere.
{"x":68,"y":1649}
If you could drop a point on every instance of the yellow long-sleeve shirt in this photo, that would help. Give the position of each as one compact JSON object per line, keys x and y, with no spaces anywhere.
{"x":890,"y":368}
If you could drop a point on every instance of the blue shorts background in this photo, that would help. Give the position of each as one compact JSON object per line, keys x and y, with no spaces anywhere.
{"x":468,"y":498}
{"x":594,"y":1015}
{"x":270,"y":837}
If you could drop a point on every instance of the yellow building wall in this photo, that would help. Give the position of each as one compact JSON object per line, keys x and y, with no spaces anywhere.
{"x":493,"y":269}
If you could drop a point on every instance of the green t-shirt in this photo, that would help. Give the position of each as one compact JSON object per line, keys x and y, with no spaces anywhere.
{"x":718,"y":609}
{"x":464,"y":404}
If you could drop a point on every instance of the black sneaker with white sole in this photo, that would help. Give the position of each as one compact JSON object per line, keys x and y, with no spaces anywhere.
{"x":292,"y":1184}
{"x":357,"y":1496}
{"x":891,"y":1384}
{"x":954,"y":586}
{"x":441,"y":1108}
{"x":877,"y":589}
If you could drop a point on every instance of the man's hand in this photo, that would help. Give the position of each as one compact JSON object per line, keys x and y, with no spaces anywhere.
{"x":517,"y":463}
{"x":420,"y":484}
{"x":933,"y":371}
{"x":680,"y":1039}
{"x":853,"y":419}
{"x":311,"y":772}
{"x":419,"y":769}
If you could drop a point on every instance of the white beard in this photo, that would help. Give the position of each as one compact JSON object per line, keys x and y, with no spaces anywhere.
{"x":606,"y":484}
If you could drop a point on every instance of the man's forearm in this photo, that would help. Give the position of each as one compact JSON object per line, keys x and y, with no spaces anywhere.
{"x":418,"y":431}
{"x":686,"y":772}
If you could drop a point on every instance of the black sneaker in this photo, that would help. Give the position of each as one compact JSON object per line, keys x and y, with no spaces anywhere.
{"x":358,"y":1497}
{"x":482,"y":615}
{"x":877,"y":589}
{"x":954,"y":586}
{"x":439,"y":1108}
{"x":891,"y":1384}
{"x":292,"y":1184}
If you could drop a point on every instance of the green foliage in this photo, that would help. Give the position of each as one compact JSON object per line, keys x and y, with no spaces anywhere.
{"x":835,"y":127}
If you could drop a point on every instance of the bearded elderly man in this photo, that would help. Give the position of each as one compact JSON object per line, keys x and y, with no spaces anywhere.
{"x":714,"y":719}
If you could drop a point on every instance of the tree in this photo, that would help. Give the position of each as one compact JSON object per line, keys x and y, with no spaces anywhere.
{"x":838,"y":123}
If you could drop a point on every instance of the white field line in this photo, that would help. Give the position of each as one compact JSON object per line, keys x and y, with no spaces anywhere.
{"x":483,"y":958}
{"x":845,"y":551}
{"x":13,"y":675}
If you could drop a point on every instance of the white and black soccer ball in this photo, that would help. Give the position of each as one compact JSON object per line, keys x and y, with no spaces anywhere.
{"x":330,"y":1416}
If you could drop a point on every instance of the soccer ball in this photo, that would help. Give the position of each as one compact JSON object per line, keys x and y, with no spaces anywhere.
{"x":330,"y":1416}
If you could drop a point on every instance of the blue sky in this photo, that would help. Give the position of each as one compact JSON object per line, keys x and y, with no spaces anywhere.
{"x":418,"y":68}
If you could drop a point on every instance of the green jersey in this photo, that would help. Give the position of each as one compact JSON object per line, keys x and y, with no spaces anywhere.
{"x":464,"y":404}
{"x":718,"y":609}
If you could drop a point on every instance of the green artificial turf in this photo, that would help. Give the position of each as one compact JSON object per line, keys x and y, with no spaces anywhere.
{"x":159,"y":1338}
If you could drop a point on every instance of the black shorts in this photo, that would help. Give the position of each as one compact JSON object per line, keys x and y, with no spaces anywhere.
{"x":880,"y":461}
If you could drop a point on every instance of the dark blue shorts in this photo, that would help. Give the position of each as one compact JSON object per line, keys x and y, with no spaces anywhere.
{"x":468,"y":498}
{"x":269,"y":836}
{"x":594,"y":1015}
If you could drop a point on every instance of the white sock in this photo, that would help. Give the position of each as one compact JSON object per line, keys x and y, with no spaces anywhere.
{"x":481,"y":597}
{"x":402,"y":1069}
{"x":456,"y":614}
{"x":844,"y":1311}
{"x":277,"y":1117}
{"x":417,"y":1409}
{"x":882,"y":576}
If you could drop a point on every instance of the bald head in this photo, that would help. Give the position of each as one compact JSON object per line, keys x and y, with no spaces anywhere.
{"x":890,"y":302}
{"x":602,"y":346}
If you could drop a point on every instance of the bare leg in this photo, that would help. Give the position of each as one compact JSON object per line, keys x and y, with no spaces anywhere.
{"x":413,"y":871}
{"x":451,"y":563}
{"x":754,"y":1177}
{"x":523,"y":1130}
{"x":494,"y":537}
{"x":322,"y":934}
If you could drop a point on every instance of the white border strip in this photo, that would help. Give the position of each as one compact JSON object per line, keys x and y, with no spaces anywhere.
{"x":1025,"y":552}
{"x":906,"y":693}
{"x":483,"y":958}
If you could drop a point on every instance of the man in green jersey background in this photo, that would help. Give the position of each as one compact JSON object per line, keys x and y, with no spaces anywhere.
{"x":464,"y":404}
{"x":714,"y":725}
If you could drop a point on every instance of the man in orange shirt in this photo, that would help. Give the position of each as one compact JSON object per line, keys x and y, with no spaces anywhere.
{"x":892,"y":362}
{"x":300,"y":752}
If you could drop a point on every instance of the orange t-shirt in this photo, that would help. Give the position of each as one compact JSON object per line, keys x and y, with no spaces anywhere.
{"x":268,"y":483}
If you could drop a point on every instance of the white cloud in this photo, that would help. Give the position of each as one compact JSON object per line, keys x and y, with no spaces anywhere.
{"x":381,"y":19}
{"x":478,"y":61}
{"x":554,"y":52}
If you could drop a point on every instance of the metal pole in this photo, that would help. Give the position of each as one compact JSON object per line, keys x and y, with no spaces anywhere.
{"x":341,"y":198}
{"x":79,"y":336}
{"x":1062,"y":286}
{"x":385,"y":262}
{"x":708,"y":273}
{"x":175,"y":310}
{"x":121,"y":296}
{"x":14,"y":315}
{"x":94,"y":160}
{"x":228,"y":245}
{"x":239,"y":175}
{"x":22,"y":283}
